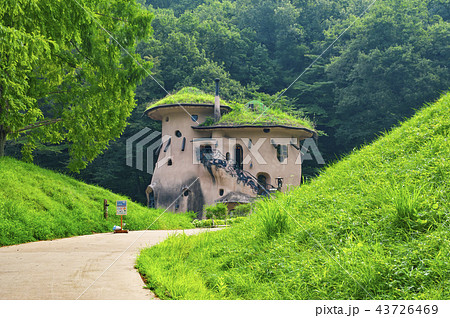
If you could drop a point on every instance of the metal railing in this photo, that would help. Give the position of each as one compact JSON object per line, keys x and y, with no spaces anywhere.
{"x":217,"y":159}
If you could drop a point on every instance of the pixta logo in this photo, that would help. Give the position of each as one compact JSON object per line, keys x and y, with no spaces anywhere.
{"x":145,"y":144}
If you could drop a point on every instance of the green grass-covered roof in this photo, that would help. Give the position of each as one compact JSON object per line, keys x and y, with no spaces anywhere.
{"x":239,"y":115}
{"x":261,"y":116}
{"x":187,"y":95}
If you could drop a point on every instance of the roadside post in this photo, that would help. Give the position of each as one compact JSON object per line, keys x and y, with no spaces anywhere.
{"x":121,"y":209}
{"x":105,"y":208}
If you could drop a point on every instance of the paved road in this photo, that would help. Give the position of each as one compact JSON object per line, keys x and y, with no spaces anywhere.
{"x":64,"y":268}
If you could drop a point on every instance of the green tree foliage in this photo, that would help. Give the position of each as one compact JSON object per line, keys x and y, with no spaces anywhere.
{"x":63,"y":78}
{"x":394,"y":59}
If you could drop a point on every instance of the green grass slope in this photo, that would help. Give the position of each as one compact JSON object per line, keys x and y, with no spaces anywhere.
{"x":373,"y":226}
{"x":38,"y":204}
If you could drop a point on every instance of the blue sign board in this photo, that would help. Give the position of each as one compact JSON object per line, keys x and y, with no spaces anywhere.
{"x":121,"y":207}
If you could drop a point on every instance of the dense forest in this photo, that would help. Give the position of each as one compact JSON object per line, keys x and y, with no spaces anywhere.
{"x":387,"y":59}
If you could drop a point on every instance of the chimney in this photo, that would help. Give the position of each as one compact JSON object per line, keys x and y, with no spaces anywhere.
{"x":217,"y":102}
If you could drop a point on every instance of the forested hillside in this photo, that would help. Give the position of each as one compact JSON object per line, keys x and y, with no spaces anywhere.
{"x":388,"y":63}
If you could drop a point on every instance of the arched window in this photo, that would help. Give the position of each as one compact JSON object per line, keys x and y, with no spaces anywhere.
{"x":239,"y":157}
{"x":263,"y":182}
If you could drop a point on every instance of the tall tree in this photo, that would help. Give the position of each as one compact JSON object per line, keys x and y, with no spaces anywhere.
{"x":63,"y":77}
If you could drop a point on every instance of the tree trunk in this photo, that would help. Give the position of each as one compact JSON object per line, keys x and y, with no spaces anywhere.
{"x":2,"y":142}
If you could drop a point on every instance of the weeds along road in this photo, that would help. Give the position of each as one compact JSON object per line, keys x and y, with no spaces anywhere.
{"x":64,"y":268}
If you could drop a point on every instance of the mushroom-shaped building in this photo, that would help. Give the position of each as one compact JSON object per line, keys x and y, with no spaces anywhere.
{"x":211,"y":149}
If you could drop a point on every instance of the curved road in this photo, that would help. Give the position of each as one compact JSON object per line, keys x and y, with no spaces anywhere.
{"x":65,"y":268}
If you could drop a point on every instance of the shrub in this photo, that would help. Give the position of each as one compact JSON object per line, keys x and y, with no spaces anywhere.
{"x":218,"y":211}
{"x":202,"y":223}
{"x":241,"y":210}
{"x":236,"y":220}
{"x":214,"y":223}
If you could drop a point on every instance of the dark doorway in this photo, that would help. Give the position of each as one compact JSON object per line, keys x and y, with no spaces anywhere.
{"x":239,"y":157}
{"x":262,"y":184}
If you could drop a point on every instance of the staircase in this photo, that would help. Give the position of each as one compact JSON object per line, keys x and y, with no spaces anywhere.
{"x":217,"y":159}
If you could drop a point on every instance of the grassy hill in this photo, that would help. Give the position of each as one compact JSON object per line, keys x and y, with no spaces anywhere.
{"x":38,"y":204}
{"x":373,"y":226}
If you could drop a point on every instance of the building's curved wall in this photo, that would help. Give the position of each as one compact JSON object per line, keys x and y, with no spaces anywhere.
{"x":186,"y":185}
{"x":169,"y":182}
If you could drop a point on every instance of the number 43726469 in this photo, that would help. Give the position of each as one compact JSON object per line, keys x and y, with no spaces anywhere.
{"x":404,"y":310}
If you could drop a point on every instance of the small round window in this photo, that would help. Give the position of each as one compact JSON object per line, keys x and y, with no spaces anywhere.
{"x":266,"y":130}
{"x":178,"y":134}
